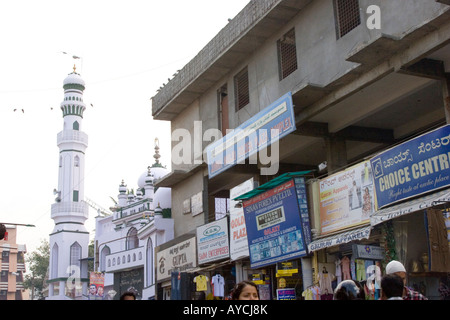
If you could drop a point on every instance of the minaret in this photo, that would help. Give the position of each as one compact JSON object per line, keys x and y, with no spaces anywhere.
{"x":69,"y":239}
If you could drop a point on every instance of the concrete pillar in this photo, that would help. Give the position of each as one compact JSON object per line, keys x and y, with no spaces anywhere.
{"x":336,"y":153}
{"x":239,"y":272}
{"x":307,"y":272}
{"x":446,"y":96}
{"x":62,"y":288}
{"x":50,"y":290}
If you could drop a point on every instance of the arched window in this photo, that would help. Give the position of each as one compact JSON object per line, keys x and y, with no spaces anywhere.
{"x":149,"y":266}
{"x":105,"y":251}
{"x":54,"y":261}
{"x":75,"y":255}
{"x":77,"y":161}
{"x":132,"y":239}
{"x":76,"y":126}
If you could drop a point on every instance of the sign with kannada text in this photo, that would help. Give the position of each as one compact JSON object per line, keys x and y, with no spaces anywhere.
{"x":212,"y":241}
{"x":255,"y":134}
{"x":415,"y":167}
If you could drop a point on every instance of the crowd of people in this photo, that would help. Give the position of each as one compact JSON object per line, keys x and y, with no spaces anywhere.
{"x":393,"y":287}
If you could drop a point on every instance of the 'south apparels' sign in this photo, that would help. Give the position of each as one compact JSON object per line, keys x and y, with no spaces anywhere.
{"x":412,"y":168}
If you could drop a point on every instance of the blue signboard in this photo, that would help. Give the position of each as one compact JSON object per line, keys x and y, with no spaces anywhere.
{"x":412,"y":168}
{"x":286,"y":294}
{"x":277,"y":223}
{"x":255,"y":134}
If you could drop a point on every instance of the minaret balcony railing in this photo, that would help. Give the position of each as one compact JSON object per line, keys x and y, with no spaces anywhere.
{"x":70,"y":207}
{"x":72,"y":136}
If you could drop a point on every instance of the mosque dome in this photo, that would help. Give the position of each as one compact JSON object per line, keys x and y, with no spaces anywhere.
{"x":158,"y":172}
{"x":163,"y":196}
{"x":123,"y":187}
{"x":157,"y":169}
{"x":73,"y":79}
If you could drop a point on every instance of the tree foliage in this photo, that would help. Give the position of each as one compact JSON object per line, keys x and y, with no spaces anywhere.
{"x":38,"y":263}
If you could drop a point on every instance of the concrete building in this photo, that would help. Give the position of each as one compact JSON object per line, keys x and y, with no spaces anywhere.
{"x":69,"y":239}
{"x":12,"y":267}
{"x":361,"y":76}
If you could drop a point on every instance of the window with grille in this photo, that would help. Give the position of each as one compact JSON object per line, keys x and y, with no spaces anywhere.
{"x":347,"y":16}
{"x":75,"y":255}
{"x":241,"y":88}
{"x":287,"y":54}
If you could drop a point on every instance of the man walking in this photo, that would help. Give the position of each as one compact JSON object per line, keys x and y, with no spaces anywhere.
{"x":396,"y":267}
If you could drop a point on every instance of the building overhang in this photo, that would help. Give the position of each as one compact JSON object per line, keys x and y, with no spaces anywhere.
{"x":244,"y":34}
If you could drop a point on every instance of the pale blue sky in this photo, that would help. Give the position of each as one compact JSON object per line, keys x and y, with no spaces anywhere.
{"x":128,"y":49}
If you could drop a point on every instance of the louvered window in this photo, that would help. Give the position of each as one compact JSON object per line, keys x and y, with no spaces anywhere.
{"x":347,"y":16}
{"x":287,"y":54}
{"x":242,"y":94}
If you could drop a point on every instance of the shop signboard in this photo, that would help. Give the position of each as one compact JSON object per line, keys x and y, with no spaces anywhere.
{"x":177,"y":258}
{"x":286,"y":294}
{"x":212,"y":241}
{"x":277,"y":225}
{"x":132,"y":280}
{"x":367,"y":252}
{"x":238,"y":230}
{"x":252,"y":136}
{"x":286,"y":268}
{"x":346,"y":198}
{"x":415,"y":167}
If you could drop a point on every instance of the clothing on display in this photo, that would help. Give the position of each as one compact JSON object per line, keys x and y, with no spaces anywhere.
{"x":360,"y":270}
{"x":311,"y":293}
{"x":345,"y":262}
{"x":325,"y":280}
{"x":338,"y":270}
{"x":353,"y":268}
{"x":201,"y":282}
{"x":218,"y":285}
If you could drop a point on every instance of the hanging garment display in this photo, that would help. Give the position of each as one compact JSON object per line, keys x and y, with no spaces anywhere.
{"x":338,"y":270}
{"x":345,"y":262}
{"x":325,"y":280}
{"x":201,"y":282}
{"x":218,"y":283}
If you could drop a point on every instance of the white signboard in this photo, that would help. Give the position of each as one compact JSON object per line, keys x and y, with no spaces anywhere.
{"x":346,"y":198}
{"x":179,"y":257}
{"x":212,"y":241}
{"x":197,"y":203}
{"x":238,"y":230}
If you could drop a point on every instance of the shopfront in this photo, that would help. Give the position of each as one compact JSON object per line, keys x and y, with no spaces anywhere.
{"x":392,"y":207}
{"x":173,"y":261}
{"x":413,"y":193}
{"x":278,"y":231}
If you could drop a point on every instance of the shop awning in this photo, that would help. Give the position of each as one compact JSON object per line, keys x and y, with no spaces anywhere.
{"x":410,"y":206}
{"x":209,"y":267}
{"x":337,"y":239}
{"x":271,"y":184}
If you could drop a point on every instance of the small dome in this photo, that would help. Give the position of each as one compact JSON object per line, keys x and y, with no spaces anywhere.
{"x":123,"y":187}
{"x":158,"y":211}
{"x":158,"y":172}
{"x":74,"y":78}
{"x":163,"y":196}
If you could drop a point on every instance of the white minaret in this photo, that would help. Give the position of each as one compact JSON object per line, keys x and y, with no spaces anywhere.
{"x":69,"y":239}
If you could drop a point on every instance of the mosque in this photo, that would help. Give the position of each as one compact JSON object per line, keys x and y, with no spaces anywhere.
{"x":125,"y":237}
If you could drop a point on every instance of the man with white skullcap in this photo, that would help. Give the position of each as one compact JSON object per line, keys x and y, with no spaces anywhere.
{"x":396,"y":267}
